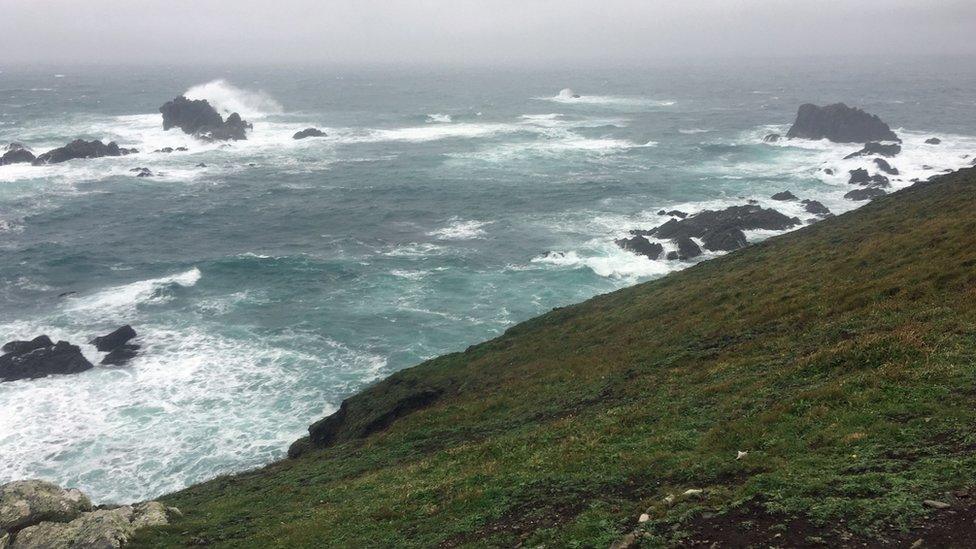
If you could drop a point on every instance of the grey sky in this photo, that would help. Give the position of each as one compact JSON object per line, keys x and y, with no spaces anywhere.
{"x":476,"y":32}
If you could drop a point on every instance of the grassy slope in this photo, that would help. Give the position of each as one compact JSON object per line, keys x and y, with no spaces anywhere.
{"x":841,"y":356}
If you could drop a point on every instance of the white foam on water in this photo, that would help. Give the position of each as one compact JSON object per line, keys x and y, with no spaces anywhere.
{"x":439,"y":118}
{"x":119,"y":301}
{"x":227,"y":99}
{"x":436,"y":132}
{"x":693,"y":131}
{"x":460,"y":229}
{"x":566,"y":96}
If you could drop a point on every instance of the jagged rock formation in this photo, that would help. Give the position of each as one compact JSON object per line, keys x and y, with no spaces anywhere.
{"x":40,"y":357}
{"x":197,"y":117}
{"x":869,"y":193}
{"x":16,"y":154}
{"x":874,"y":148}
{"x":784,"y":195}
{"x":641,"y":246}
{"x":839,"y":123}
{"x":79,"y":148}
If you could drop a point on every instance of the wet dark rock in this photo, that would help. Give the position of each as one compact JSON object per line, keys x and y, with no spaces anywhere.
{"x":21,"y":347}
{"x":933,"y":141}
{"x":884,"y":166}
{"x":771,"y":138}
{"x":201,"y":165}
{"x":16,"y":153}
{"x":868,"y":193}
{"x":142,"y":172}
{"x":785,"y":195}
{"x":860,"y":176}
{"x":725,"y":239}
{"x":641,"y":246}
{"x":60,"y":358}
{"x":80,"y":148}
{"x":120,"y":355}
{"x":166,"y":150}
{"x":879,"y":149}
{"x":687,"y":249}
{"x":828,"y":171}
{"x":115,"y":339}
{"x":197,"y":117}
{"x":815,"y":207}
{"x":309,"y":132}
{"x":181,"y":149}
{"x":839,"y":123}
{"x":677,"y":213}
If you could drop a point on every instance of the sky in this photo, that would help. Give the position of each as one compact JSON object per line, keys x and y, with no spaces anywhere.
{"x":468,"y":32}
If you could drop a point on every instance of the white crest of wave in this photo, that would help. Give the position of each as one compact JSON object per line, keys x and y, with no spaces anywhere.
{"x":439,"y":118}
{"x":460,"y":230}
{"x":124,"y":299}
{"x":569,"y":96}
{"x":227,"y":99}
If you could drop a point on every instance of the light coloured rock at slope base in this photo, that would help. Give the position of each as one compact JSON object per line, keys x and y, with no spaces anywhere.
{"x":27,"y":502}
{"x":4,"y":539}
{"x":102,"y":529}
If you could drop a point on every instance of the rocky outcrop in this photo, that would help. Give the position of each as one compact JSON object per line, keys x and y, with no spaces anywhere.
{"x":816,"y":207}
{"x":722,"y":230}
{"x":785,"y":195}
{"x":860,"y":176}
{"x":39,"y":514}
{"x":839,"y":123}
{"x":641,"y":246}
{"x":884,"y":166}
{"x":116,"y":344}
{"x":197,"y":117}
{"x":79,"y":148}
{"x":673,"y":213}
{"x":308,"y":132}
{"x":869,"y":193}
{"x":15,"y":153}
{"x":41,"y":358}
{"x":687,"y":249}
{"x":879,"y":149}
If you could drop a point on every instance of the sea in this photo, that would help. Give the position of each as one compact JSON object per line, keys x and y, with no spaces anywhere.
{"x":270,"y":278}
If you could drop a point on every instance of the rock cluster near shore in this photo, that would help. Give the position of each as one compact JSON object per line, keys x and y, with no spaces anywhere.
{"x":41,"y":357}
{"x":839,"y":123}
{"x":198,"y":118}
{"x":39,"y":514}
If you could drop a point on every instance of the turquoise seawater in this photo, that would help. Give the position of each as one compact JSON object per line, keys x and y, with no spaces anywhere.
{"x":443,"y":207}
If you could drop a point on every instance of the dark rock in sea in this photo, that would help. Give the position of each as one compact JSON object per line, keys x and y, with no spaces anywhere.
{"x":752,"y":201}
{"x":828,"y":171}
{"x":308,"y":132}
{"x":677,"y":213}
{"x":201,"y":165}
{"x":120,"y":355}
{"x":16,"y":154}
{"x":933,"y":141}
{"x":860,"y":176}
{"x":181,"y":149}
{"x":747,"y":217}
{"x":687,"y":249}
{"x":641,"y":246}
{"x":197,"y":117}
{"x":142,"y":172}
{"x":879,"y":149}
{"x":785,"y":195}
{"x":166,"y":150}
{"x":60,"y":358}
{"x":115,"y":339}
{"x":725,"y":239}
{"x":815,"y":207}
{"x":839,"y":123}
{"x":868,"y":193}
{"x":771,"y":138}
{"x":21,"y":347}
{"x":80,"y":148}
{"x":884,"y":166}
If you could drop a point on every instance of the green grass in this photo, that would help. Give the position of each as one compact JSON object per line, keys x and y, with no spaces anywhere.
{"x":840,"y":356}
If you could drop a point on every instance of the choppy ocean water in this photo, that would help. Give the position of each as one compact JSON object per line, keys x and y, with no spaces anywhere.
{"x":287,"y":274}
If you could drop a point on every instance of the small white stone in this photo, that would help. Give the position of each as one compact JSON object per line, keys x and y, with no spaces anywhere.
{"x":669,"y":499}
{"x":740,"y":454}
{"x":693,"y":492}
{"x":644,"y":518}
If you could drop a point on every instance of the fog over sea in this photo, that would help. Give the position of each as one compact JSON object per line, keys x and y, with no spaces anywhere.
{"x":442,"y":207}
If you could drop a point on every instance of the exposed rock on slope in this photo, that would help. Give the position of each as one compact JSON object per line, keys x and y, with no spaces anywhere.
{"x":197,"y":117}
{"x":839,"y":123}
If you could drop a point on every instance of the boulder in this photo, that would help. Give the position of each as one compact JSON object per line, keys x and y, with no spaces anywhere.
{"x":785,"y":195}
{"x":815,"y":207}
{"x":60,"y":358}
{"x":120,"y":355}
{"x":771,"y":138}
{"x":641,"y":246}
{"x":197,"y":117}
{"x":725,"y":239}
{"x":24,"y":503}
{"x":933,"y":141}
{"x":884,"y":166}
{"x":828,"y":171}
{"x":16,"y":154}
{"x":860,"y":176}
{"x":115,"y":339}
{"x":869,"y":193}
{"x":79,"y":148}
{"x":21,"y":347}
{"x":102,"y":529}
{"x":839,"y":123}
{"x":879,"y":149}
{"x":309,"y":132}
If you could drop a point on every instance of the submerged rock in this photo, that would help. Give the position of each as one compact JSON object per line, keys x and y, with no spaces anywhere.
{"x":114,"y":340}
{"x":869,"y":193}
{"x":879,"y":149}
{"x":884,"y":166}
{"x":59,"y":358}
{"x":771,"y":138}
{"x":197,"y":117}
{"x":933,"y":141}
{"x":839,"y":123}
{"x":816,"y":207}
{"x":785,"y":195}
{"x":79,"y":148}
{"x":16,"y":154}
{"x":142,"y":172}
{"x":309,"y":132}
{"x":641,"y":246}
{"x":120,"y":355}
